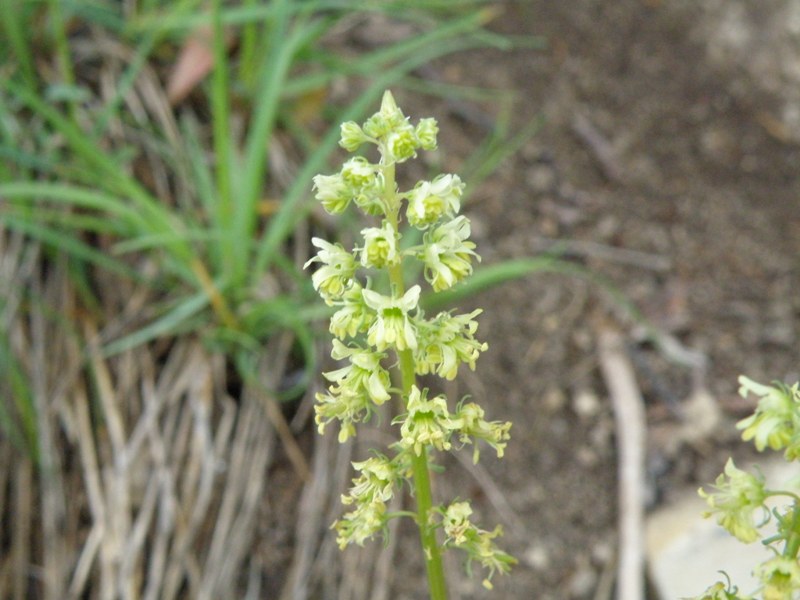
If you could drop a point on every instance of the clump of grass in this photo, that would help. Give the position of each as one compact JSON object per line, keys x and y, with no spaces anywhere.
{"x":142,"y":238}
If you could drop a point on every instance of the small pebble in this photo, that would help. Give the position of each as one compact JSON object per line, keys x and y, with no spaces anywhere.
{"x":582,"y":581}
{"x":537,"y":558}
{"x":541,"y":178}
{"x":586,"y":404}
{"x":554,"y":399}
{"x":586,"y":457}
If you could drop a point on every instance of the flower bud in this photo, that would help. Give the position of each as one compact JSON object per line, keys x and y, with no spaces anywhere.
{"x":426,"y":132}
{"x":389,"y":106}
{"x":401,"y":145}
{"x":387,"y":120}
{"x":332,"y":192}
{"x":352,"y":136}
{"x":358,"y":172}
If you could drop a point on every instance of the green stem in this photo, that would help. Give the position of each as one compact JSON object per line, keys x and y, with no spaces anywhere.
{"x":793,"y":539}
{"x":437,"y":585}
{"x":220,"y":116}
{"x":430,"y":547}
{"x":247,"y":52}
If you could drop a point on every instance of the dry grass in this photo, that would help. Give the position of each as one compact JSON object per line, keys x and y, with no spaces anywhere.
{"x":153,"y":481}
{"x":160,"y":471}
{"x":151,"y":477}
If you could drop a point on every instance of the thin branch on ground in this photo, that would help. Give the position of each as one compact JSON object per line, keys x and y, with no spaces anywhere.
{"x":629,"y":416}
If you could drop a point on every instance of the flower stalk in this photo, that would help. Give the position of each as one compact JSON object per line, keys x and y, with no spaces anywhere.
{"x":371,"y":327}
{"x":434,"y":567}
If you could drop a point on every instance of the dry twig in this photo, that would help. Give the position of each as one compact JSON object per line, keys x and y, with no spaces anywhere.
{"x":601,"y":148}
{"x":630,"y":422}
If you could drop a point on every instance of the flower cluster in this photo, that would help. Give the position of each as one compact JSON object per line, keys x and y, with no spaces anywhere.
{"x":448,"y":341}
{"x":478,"y":544}
{"x":776,"y":421}
{"x":739,"y":496}
{"x":371,"y":490}
{"x":780,"y":577}
{"x":379,"y":330}
{"x":721,"y":591}
{"x":429,"y":423}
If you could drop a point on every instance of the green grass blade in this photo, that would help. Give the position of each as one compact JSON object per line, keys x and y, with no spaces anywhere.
{"x":220,"y":118}
{"x":62,"y":220}
{"x":163,"y":240}
{"x":105,"y":168}
{"x":14,"y":18}
{"x":274,"y":71}
{"x":85,"y":148}
{"x":26,"y":160}
{"x":180,"y":318}
{"x":204,"y":186}
{"x":66,"y":243}
{"x":63,"y":56}
{"x":70,"y":195}
{"x":156,"y":217}
{"x":468,"y":25}
{"x":166,"y":22}
{"x":248,"y":13}
{"x":488,"y":277}
{"x":290,"y":211}
{"x":247,"y":52}
{"x":465,"y":30}
{"x":18,"y":419}
{"x":98,"y":12}
{"x":123,"y":87}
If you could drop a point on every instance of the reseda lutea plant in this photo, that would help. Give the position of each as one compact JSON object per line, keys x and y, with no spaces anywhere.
{"x":385,"y":337}
{"x":739,"y":498}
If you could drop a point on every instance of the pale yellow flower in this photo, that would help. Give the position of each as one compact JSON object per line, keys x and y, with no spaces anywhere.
{"x":738,"y":494}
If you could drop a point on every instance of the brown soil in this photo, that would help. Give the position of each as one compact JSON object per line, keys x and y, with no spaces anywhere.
{"x":667,"y":133}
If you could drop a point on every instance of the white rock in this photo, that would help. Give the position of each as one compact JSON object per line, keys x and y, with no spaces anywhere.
{"x":686,"y":552}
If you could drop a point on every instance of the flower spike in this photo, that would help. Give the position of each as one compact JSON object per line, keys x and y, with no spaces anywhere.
{"x":383,"y":340}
